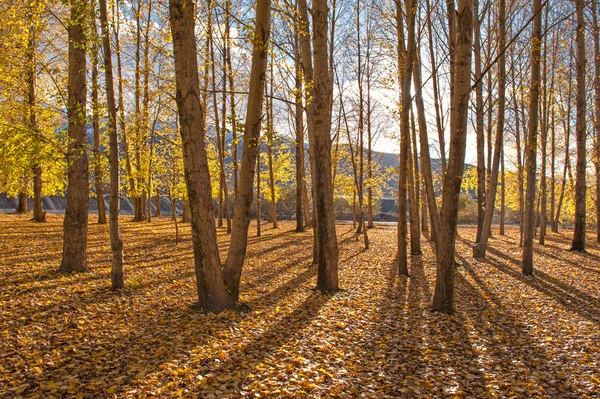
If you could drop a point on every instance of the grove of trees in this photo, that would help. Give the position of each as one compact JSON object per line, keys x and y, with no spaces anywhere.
{"x":219,"y":105}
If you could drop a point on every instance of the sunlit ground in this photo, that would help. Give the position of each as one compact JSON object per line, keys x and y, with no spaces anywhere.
{"x":512,"y":336}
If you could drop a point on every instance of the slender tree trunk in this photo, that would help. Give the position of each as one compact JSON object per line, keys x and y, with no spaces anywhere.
{"x":596,"y":31}
{"x":479,"y":129}
{"x":436,"y":92}
{"x":98,"y":178}
{"x":212,"y":292}
{"x":241,"y":213}
{"x":76,"y":215}
{"x":234,"y":139}
{"x":299,"y":133}
{"x":529,"y":219}
{"x":157,"y":203}
{"x":480,"y":248}
{"x":270,"y":143}
{"x":307,"y":68}
{"x":116,"y":242}
{"x":443,"y":298}
{"x":38,"y":211}
{"x":580,"y":183}
{"x":502,"y":193}
{"x":405,"y":67}
{"x":121,"y":108}
{"x":425,"y":156}
{"x":544,"y":141}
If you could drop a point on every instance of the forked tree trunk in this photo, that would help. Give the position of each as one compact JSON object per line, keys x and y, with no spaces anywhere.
{"x":529,"y":218}
{"x":116,"y":242}
{"x":443,"y":298}
{"x":212,"y":292}
{"x":76,"y":215}
{"x":580,"y":183}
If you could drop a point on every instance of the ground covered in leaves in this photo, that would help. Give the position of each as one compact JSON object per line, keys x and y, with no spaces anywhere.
{"x":511,"y":336}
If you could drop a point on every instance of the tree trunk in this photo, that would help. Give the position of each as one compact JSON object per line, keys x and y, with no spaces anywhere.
{"x":544,"y":141}
{"x":479,"y":123}
{"x":443,"y":298}
{"x":502,"y":193}
{"x":243,"y":202}
{"x":22,"y":198}
{"x":327,"y":277}
{"x":258,"y":216}
{"x":425,"y":157}
{"x":212,"y":292}
{"x":405,"y":66}
{"x":98,"y":178}
{"x":270,"y":142}
{"x":307,"y":68}
{"x":529,"y":219}
{"x":299,"y":134}
{"x":76,"y":215}
{"x":580,"y":183}
{"x":38,"y":211}
{"x":116,"y":242}
{"x":121,"y":108}
{"x":479,"y":250}
{"x":596,"y":31}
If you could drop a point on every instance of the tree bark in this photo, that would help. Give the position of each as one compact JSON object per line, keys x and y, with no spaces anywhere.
{"x":327,"y":277}
{"x":479,"y":124}
{"x":98,"y":178}
{"x":38,"y":211}
{"x":596,"y":31}
{"x":443,"y":298}
{"x":529,"y":218}
{"x":299,"y":133}
{"x":212,"y":292}
{"x":405,"y":66}
{"x":116,"y":242}
{"x":578,"y":243}
{"x":76,"y":215}
{"x":241,"y":213}
{"x":479,"y":250}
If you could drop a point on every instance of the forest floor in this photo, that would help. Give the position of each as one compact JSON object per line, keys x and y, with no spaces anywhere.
{"x":511,"y":336}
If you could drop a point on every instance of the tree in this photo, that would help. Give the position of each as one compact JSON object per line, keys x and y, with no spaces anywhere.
{"x":486,"y":231}
{"x":243,"y":201}
{"x":531,"y":161}
{"x":578,"y":243}
{"x":76,"y":215}
{"x":327,"y":278}
{"x":116,"y":242}
{"x":212,"y":293}
{"x":406,"y":53}
{"x":443,"y":298}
